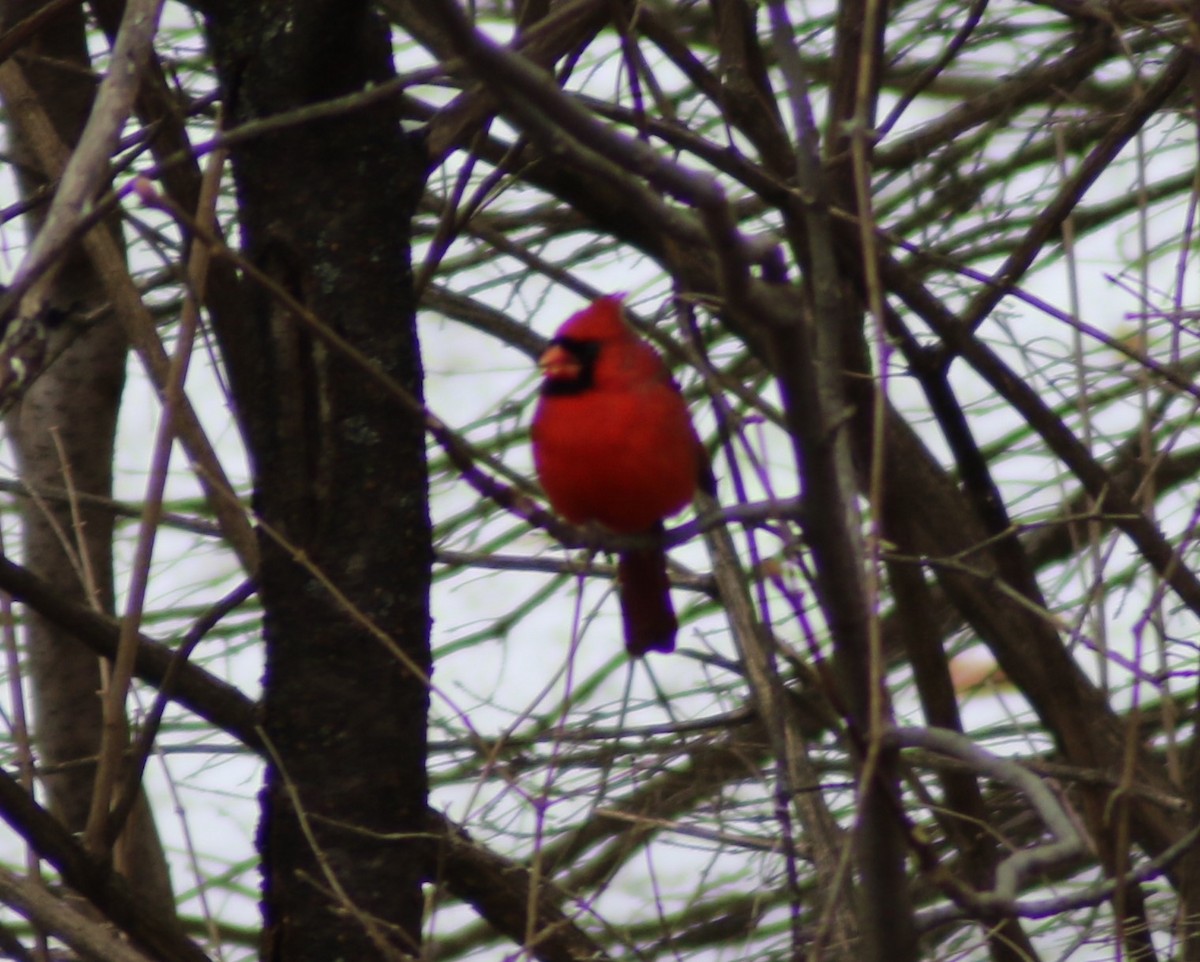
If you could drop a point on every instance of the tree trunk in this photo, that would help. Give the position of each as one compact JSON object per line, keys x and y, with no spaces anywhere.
{"x":339,"y":481}
{"x":63,"y":432}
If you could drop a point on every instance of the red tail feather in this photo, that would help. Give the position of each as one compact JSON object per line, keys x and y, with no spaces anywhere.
{"x":646,"y":609}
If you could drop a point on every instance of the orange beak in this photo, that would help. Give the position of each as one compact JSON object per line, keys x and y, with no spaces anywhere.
{"x":559,"y":364}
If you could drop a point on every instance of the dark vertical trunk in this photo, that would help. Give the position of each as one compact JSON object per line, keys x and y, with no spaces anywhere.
{"x":339,"y":481}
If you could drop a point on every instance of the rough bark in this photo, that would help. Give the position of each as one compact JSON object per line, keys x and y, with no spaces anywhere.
{"x":339,"y":481}
{"x":63,"y":432}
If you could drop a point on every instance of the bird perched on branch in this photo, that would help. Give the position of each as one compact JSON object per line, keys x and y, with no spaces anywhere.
{"x":613,"y":445}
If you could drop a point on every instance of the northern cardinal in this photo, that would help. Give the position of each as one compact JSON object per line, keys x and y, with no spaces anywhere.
{"x":613,"y":445}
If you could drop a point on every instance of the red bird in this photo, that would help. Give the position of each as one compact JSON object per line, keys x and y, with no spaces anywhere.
{"x":613,"y":444}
